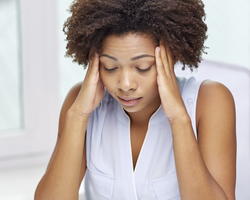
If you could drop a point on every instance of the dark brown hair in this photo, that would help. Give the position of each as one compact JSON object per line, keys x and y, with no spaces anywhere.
{"x":178,"y":23}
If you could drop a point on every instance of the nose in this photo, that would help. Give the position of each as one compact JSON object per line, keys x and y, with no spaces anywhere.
{"x":127,"y":81}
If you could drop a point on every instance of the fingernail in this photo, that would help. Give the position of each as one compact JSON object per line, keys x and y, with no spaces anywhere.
{"x":158,"y":49}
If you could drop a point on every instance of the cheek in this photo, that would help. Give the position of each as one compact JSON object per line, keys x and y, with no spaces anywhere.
{"x":151,"y":81}
{"x":151,"y":85}
{"x":108,"y":82}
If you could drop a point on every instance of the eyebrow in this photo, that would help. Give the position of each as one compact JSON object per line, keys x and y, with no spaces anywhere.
{"x":132,"y":59}
{"x":106,"y":55}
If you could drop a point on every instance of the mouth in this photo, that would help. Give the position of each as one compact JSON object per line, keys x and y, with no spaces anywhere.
{"x":129,"y":101}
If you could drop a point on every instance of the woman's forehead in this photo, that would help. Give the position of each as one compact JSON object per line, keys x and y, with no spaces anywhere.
{"x":131,"y":45}
{"x":135,"y":37}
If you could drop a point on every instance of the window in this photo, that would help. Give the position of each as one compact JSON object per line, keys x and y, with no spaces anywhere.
{"x":31,"y":140}
{"x":11,"y":106}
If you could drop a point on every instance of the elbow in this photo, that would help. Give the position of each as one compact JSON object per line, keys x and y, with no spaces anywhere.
{"x":52,"y":195}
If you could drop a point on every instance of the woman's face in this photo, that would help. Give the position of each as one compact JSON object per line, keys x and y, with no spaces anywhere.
{"x":128,"y":71}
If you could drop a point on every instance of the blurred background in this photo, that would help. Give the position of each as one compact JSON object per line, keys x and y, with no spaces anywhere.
{"x":35,"y":78}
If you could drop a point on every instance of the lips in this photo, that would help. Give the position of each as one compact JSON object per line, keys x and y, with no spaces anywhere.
{"x":129,"y":101}
{"x":128,"y":98}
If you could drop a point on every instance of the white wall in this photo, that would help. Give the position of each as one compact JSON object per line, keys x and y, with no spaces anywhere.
{"x":69,"y":73}
{"x":228,"y":31}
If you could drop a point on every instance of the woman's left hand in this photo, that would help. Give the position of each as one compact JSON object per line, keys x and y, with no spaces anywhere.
{"x":171,"y":100}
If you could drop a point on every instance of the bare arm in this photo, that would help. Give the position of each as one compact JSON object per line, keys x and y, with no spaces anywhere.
{"x":205,"y":169}
{"x":217,"y":134}
{"x":67,"y":161}
{"x":67,"y":164}
{"x":68,"y":102}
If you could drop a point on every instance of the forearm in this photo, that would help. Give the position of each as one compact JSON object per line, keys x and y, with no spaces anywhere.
{"x":61,"y":180}
{"x":195,"y":181}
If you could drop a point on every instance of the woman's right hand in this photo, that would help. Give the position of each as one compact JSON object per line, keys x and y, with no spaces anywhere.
{"x":92,"y":90}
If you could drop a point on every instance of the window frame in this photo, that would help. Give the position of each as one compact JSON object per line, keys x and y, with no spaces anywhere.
{"x":34,"y":143}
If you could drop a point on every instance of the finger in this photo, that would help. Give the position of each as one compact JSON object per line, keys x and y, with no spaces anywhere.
{"x":94,"y":69}
{"x":165,"y":58}
{"x":170,"y":60}
{"x":96,"y":62}
{"x":90,"y":74}
{"x":158,"y":61}
{"x":93,"y":65}
{"x":167,"y":61}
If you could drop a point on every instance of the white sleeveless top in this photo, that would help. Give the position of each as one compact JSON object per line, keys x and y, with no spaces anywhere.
{"x":110,"y":174}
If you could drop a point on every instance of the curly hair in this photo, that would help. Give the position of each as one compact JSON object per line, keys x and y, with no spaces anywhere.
{"x":178,"y":23}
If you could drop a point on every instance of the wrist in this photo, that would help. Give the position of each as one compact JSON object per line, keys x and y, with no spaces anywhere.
{"x":181,"y":120}
{"x":75,"y":115}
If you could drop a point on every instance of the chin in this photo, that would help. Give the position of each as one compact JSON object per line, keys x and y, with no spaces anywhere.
{"x":132,"y":109}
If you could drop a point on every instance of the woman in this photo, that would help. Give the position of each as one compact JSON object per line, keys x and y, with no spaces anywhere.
{"x":132,"y":128}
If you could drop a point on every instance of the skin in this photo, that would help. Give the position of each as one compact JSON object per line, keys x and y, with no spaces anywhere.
{"x":205,"y":168}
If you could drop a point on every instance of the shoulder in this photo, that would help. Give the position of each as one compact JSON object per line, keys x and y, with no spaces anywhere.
{"x":215,"y":105}
{"x":73,"y":92}
{"x":213,"y":95}
{"x":211,"y":87}
{"x":68,"y":102}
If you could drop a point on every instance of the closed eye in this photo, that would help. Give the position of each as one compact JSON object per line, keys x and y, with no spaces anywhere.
{"x":144,"y":70}
{"x":109,"y":70}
